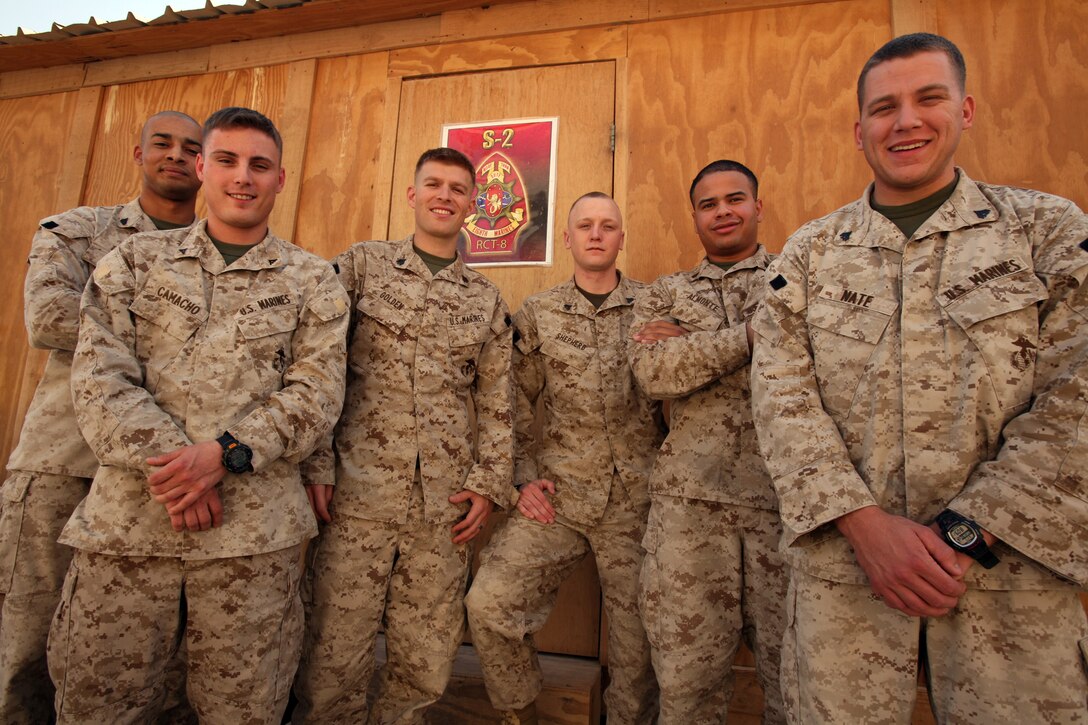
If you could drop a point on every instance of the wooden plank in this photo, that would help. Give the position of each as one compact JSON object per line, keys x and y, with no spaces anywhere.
{"x":77,"y":151}
{"x":778,"y":95}
{"x":546,"y":49}
{"x":664,"y":9}
{"x":147,"y":67}
{"x":539,"y":16}
{"x":571,"y":693}
{"x":340,"y":183}
{"x":621,"y":157}
{"x":913,"y":16}
{"x":37,"y":81}
{"x":1027,"y":66}
{"x":294,"y":124}
{"x":324,"y":44}
{"x":385,"y":194}
{"x":34,"y":154}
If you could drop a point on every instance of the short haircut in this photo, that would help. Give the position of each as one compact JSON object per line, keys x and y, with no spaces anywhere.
{"x":164,"y":114}
{"x":592,"y":195}
{"x":719,"y":166}
{"x":449,"y":157}
{"x":906,"y":46}
{"x":237,"y":117}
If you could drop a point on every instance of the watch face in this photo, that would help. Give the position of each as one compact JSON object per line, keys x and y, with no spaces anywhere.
{"x":237,"y":460}
{"x":962,"y":535}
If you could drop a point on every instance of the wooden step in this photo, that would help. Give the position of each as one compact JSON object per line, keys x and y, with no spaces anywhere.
{"x":571,"y":694}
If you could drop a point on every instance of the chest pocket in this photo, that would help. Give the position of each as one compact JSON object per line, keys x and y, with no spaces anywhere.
{"x":163,"y":334}
{"x":563,"y":356}
{"x":381,"y":330}
{"x":693,"y":316}
{"x":268,"y":337}
{"x":466,"y":342}
{"x":1001,"y":319}
{"x":843,"y":339}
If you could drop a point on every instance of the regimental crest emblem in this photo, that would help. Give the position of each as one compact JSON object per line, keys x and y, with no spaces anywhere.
{"x":501,"y":209}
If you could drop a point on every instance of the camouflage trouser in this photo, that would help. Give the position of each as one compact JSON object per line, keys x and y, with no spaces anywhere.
{"x":998,"y":657}
{"x":416,"y":575}
{"x":712,"y":575}
{"x":515,"y":590}
{"x":118,"y":628}
{"x":33,"y":509}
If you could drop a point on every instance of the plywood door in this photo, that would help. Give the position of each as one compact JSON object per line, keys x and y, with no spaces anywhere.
{"x":583,"y":97}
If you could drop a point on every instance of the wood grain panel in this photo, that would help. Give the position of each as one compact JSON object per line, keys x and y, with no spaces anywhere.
{"x":336,"y":206}
{"x":584,"y":164}
{"x":113,"y":177}
{"x":585,"y":158}
{"x":41,"y":80}
{"x":661,"y":9}
{"x":1027,"y":66}
{"x":913,"y":16}
{"x":34,"y":136}
{"x":538,"y":16}
{"x":343,"y":41}
{"x":294,"y":124}
{"x":528,"y":50}
{"x":771,"y":88}
{"x":148,"y":67}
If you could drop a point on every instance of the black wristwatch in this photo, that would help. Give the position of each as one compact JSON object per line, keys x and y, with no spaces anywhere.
{"x":237,"y":456}
{"x":963,"y":534}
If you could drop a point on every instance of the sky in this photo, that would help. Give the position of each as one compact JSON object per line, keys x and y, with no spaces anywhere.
{"x":39,"y":15}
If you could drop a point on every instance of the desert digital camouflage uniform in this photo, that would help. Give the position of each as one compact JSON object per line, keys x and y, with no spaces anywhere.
{"x":174,"y":348}
{"x":52,"y":467}
{"x":423,"y":351}
{"x":712,"y":572}
{"x":948,"y":370}
{"x":599,"y":438}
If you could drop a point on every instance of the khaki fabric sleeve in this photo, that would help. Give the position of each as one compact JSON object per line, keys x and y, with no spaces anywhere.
{"x":528,"y":366}
{"x":55,"y":278}
{"x":296,"y":419}
{"x":805,"y":455}
{"x":678,"y":366}
{"x":118,"y":417}
{"x":1034,"y":494}
{"x":492,"y":473}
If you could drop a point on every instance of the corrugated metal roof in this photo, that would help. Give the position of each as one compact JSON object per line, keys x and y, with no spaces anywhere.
{"x":169,"y":17}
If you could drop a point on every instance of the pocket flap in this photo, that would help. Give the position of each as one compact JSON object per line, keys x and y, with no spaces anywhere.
{"x":853,"y":321}
{"x":268,"y":323}
{"x":566,"y":354}
{"x":998,"y":297}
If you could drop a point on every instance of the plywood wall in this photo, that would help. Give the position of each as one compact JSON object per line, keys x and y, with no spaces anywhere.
{"x":769,"y":83}
{"x":33,"y":137}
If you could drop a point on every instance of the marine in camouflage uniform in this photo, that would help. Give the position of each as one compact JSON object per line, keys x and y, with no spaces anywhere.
{"x":712,"y":575}
{"x":50,"y":471}
{"x":175,"y":347}
{"x":583,"y":485}
{"x":414,"y":479}
{"x":929,"y":356}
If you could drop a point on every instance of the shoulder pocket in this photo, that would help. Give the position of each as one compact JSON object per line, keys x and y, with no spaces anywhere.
{"x":329,"y":306}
